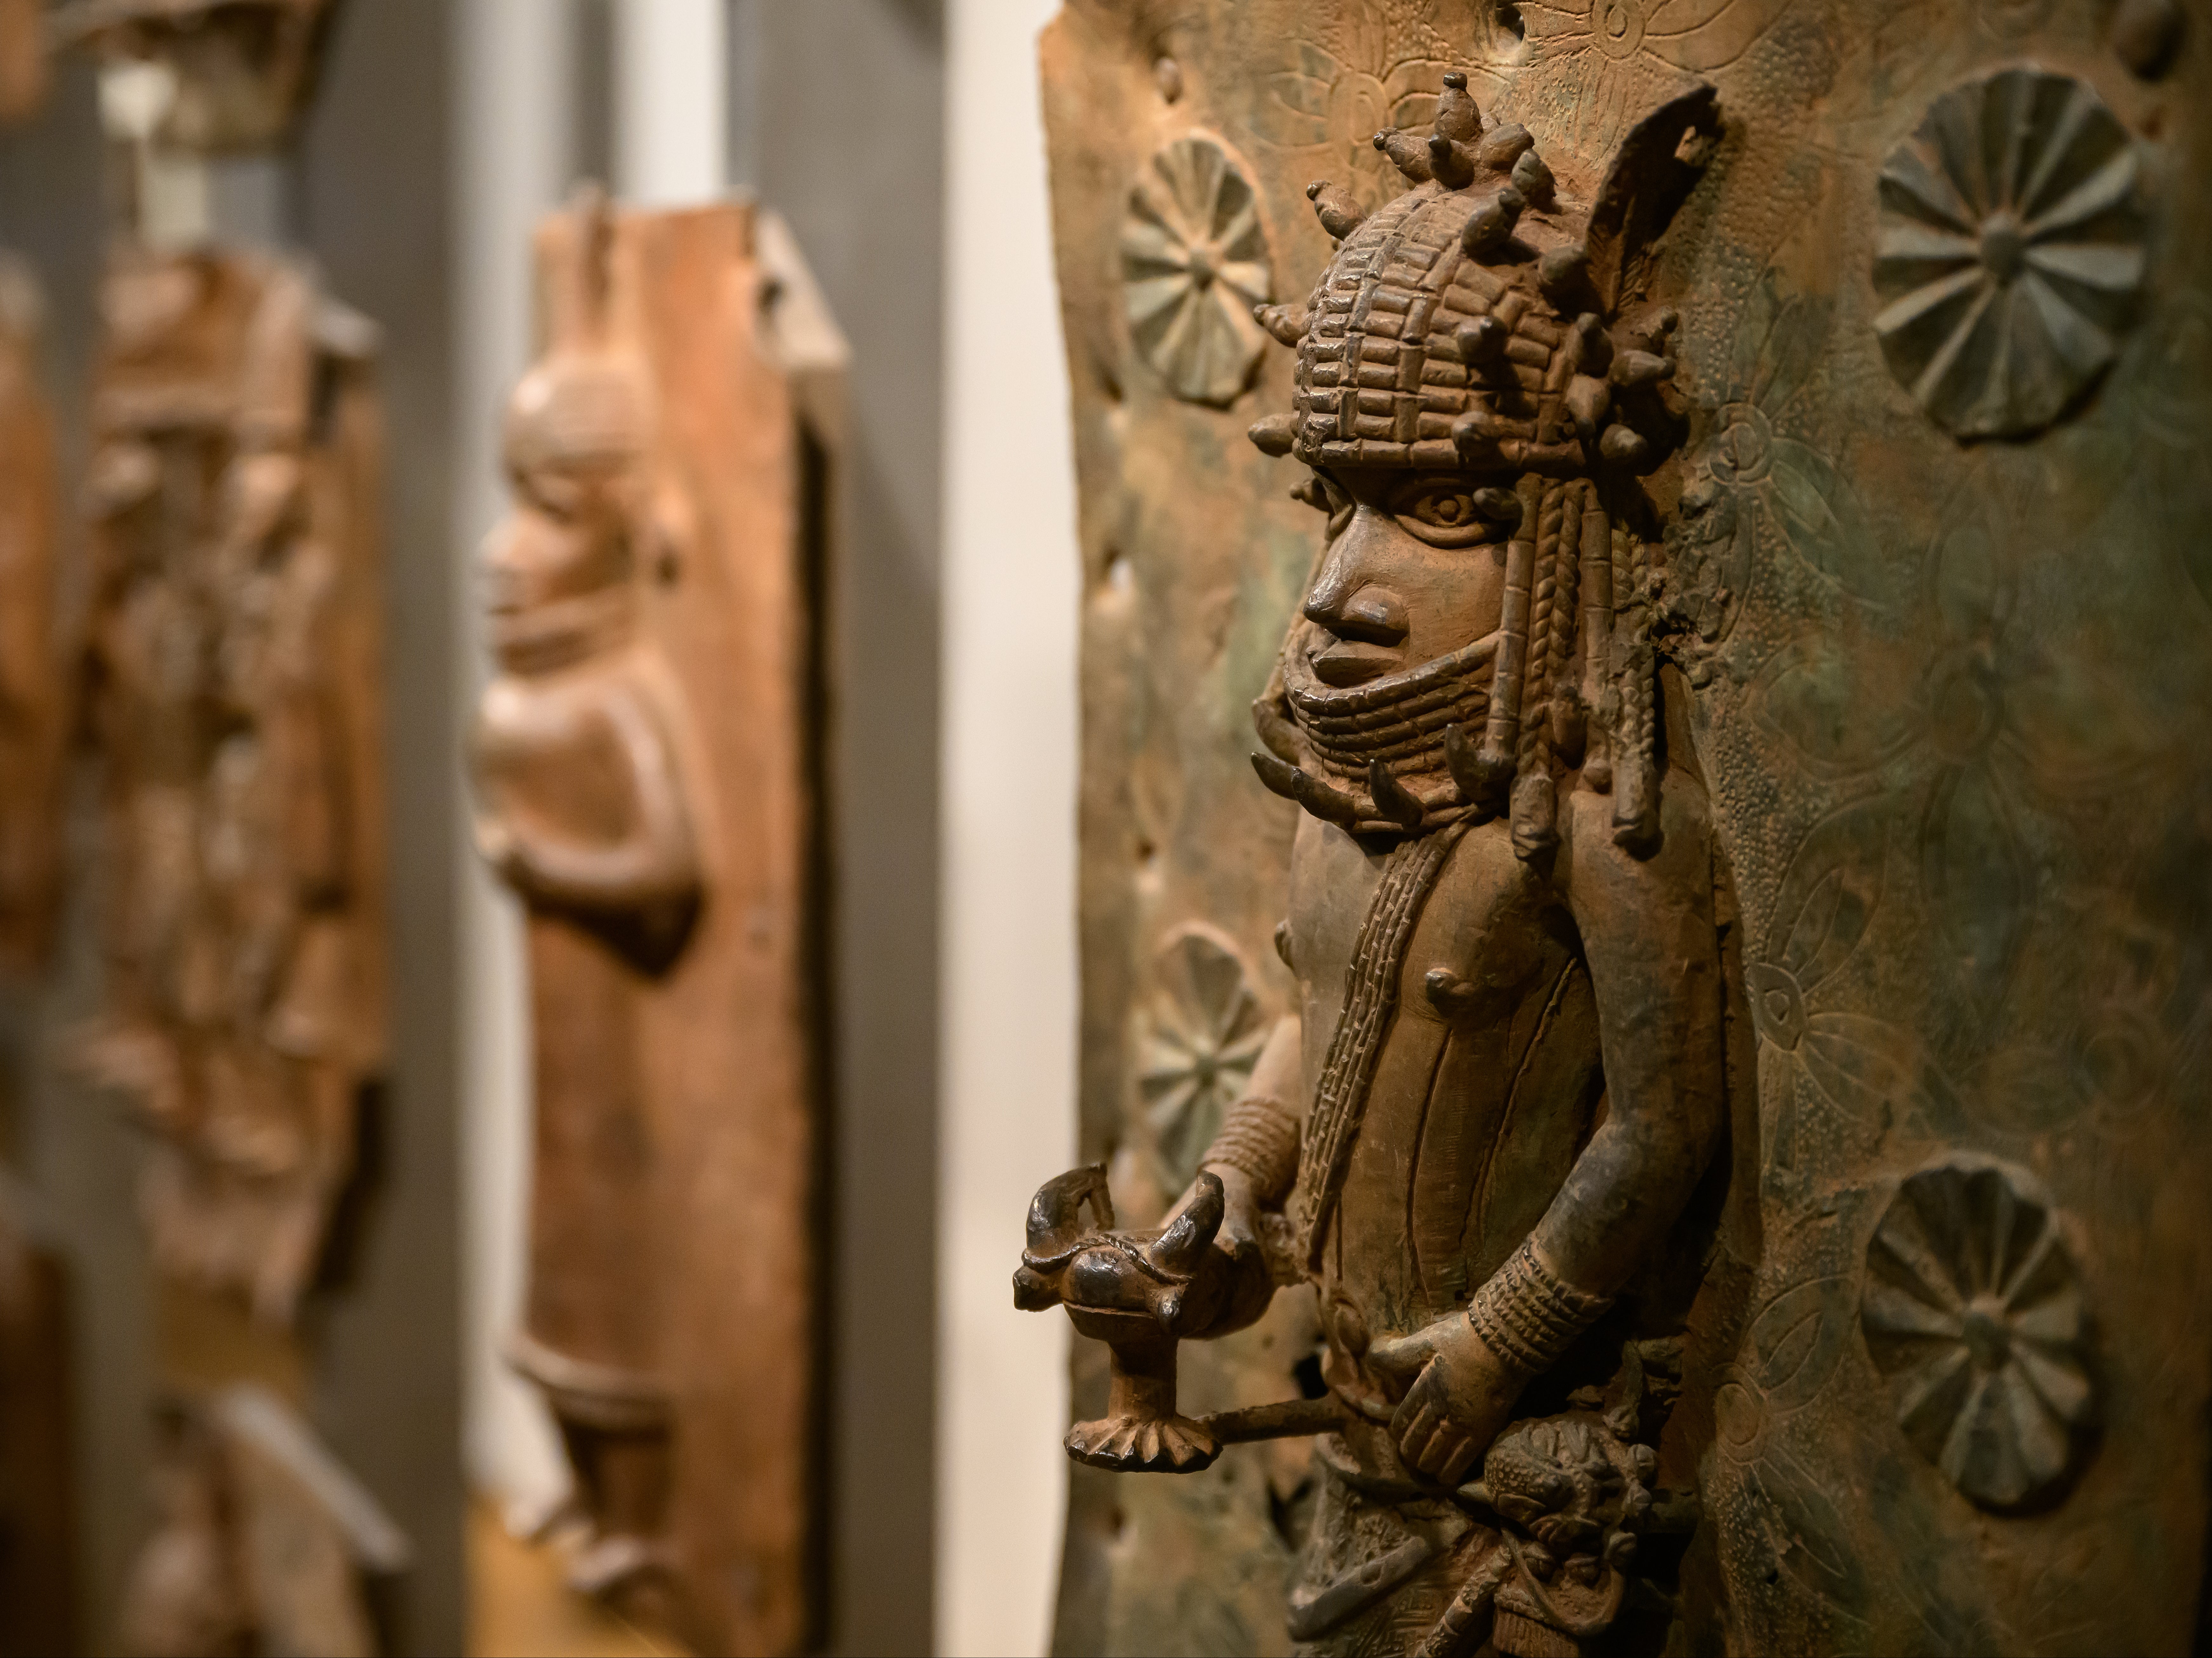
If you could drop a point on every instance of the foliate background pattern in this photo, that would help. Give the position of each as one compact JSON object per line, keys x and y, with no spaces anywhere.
{"x":1945,"y":682}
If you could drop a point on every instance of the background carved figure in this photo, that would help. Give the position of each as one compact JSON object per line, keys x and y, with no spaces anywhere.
{"x":582,"y":751}
{"x":262,"y":1541}
{"x":235,"y":73}
{"x":234,"y":644}
{"x":39,"y":1509}
{"x":645,"y":770}
{"x":1929,"y":689}
{"x":23,"y":69}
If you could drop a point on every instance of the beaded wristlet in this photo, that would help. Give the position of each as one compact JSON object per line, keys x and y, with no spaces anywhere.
{"x":1259,"y":1137}
{"x":1528,"y":1315}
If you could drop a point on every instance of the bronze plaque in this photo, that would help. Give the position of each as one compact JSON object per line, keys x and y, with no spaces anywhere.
{"x":1698,"y":655}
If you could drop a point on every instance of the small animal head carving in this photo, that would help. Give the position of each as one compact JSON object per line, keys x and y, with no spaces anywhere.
{"x":1578,"y":1492}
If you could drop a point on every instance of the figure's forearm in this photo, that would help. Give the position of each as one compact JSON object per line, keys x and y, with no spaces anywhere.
{"x":1625,"y":1192}
{"x":1653,"y":950}
{"x":626,"y":876}
{"x":1258,"y":1137}
{"x":1620,"y":1201}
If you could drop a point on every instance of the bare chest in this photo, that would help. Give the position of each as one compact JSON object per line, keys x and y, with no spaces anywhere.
{"x":1484,"y":1075}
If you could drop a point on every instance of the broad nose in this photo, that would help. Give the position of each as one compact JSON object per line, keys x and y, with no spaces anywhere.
{"x":1346,"y":598}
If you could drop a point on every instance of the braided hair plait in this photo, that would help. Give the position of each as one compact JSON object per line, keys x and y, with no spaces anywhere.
{"x":1636,"y":773}
{"x":1564,"y":720}
{"x":1543,"y":607}
{"x":1550,"y":635}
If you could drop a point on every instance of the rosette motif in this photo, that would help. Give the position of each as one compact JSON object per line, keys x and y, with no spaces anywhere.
{"x":1202,"y":1040}
{"x":1973,"y":1313}
{"x":2011,"y":252}
{"x":1193,"y":263}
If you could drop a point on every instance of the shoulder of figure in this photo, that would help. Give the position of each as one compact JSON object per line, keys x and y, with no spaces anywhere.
{"x":1683,"y":850}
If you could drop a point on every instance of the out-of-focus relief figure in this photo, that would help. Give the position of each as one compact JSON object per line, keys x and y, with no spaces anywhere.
{"x":38,"y":1489}
{"x":232,"y":693}
{"x":23,"y":62}
{"x":262,"y":1543}
{"x":646,"y":759}
{"x":232,"y":665}
{"x":33,"y":695}
{"x":231,"y":687}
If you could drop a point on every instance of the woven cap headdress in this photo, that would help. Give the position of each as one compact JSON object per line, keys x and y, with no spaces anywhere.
{"x":1485,"y":322}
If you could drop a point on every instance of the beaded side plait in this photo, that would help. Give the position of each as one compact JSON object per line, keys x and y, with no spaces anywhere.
{"x":1378,"y":960}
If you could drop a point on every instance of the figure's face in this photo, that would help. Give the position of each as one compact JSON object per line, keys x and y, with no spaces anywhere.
{"x":1415,"y":569}
{"x":533,"y":560}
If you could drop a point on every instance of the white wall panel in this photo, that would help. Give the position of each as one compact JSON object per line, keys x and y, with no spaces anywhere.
{"x":671,"y":101}
{"x":515,"y":69}
{"x":1007,"y":1081}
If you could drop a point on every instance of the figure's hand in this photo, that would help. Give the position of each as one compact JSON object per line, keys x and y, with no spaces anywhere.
{"x":495,"y":845}
{"x":1240,"y":1213}
{"x":1250,"y":1286}
{"x":1462,"y":1394}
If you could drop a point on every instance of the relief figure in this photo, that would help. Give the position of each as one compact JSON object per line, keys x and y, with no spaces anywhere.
{"x":1480,"y":1134}
{"x":230,"y":656}
{"x":33,"y":700}
{"x":585,"y":811}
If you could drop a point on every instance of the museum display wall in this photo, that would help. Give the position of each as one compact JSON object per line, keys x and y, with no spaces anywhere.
{"x":269,"y":1122}
{"x":1134,"y":826}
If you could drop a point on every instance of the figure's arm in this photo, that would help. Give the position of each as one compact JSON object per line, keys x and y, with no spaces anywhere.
{"x":1256,"y":1152}
{"x":1652,"y":941}
{"x":656,"y":862}
{"x":1649,"y":937}
{"x":1255,"y":1157}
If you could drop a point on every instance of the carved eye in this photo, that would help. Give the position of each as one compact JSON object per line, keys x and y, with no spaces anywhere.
{"x":1443,"y":514}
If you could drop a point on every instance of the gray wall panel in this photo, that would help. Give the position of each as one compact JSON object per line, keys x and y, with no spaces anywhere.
{"x":372,"y":205}
{"x":838,"y":119}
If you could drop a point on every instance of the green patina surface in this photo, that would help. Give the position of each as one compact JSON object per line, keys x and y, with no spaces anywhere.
{"x":1947,"y":694}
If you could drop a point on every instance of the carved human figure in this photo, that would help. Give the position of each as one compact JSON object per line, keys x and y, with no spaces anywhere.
{"x":23,"y":70}
{"x":585,"y":810}
{"x":1479,"y":1134}
{"x":230,"y":697}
